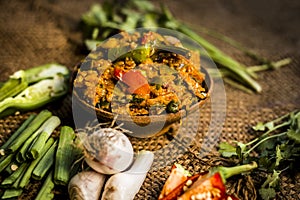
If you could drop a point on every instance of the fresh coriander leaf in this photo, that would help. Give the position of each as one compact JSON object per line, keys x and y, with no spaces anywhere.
{"x":269,"y":125}
{"x":267,"y":193}
{"x":96,"y":16}
{"x":145,"y":6}
{"x":265,"y":162}
{"x":242,"y":146}
{"x":132,"y":19}
{"x":278,"y":155}
{"x":294,"y":135}
{"x":288,"y":150}
{"x":272,"y":180}
{"x":259,"y":127}
{"x":227,"y":150}
{"x":267,"y":145}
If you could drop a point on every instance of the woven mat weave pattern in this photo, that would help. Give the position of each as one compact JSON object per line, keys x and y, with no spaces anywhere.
{"x":37,"y":32}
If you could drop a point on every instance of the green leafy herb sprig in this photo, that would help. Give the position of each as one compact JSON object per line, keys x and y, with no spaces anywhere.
{"x":276,"y":150}
{"x":111,"y":17}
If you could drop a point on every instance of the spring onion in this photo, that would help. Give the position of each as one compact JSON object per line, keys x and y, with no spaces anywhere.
{"x":45,"y":163}
{"x":33,"y":126}
{"x":5,"y":161}
{"x":11,"y":193}
{"x":48,"y":128}
{"x":26,"y":177}
{"x":14,"y":176}
{"x":45,"y":192}
{"x":17,"y":133}
{"x":24,"y":153}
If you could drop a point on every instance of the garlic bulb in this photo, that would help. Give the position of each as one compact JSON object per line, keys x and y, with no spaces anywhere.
{"x":108,"y":151}
{"x":86,"y":185}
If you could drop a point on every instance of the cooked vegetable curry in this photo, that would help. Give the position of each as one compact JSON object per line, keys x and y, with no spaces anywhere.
{"x":141,"y":74}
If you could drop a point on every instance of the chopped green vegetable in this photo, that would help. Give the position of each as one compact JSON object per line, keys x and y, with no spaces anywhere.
{"x":12,"y":167}
{"x":18,"y":132}
{"x":11,"y":193}
{"x":45,"y":192}
{"x":5,"y":161}
{"x":46,"y":131}
{"x":13,"y":86}
{"x":14,"y":176}
{"x":64,"y":156}
{"x":26,"y":177}
{"x":45,"y":163}
{"x":20,"y":84}
{"x":46,"y":71}
{"x":37,"y":94}
{"x":22,"y":154}
{"x":33,"y":126}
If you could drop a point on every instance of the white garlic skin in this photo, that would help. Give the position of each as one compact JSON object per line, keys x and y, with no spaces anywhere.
{"x":108,"y":151}
{"x":86,"y":185}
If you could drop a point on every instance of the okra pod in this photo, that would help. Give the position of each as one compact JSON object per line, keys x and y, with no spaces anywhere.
{"x":12,"y":167}
{"x":17,"y":182}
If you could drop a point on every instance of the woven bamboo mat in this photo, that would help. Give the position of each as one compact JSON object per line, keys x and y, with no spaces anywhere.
{"x":38,"y":32}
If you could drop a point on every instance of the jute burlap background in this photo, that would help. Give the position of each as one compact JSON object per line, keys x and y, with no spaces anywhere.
{"x":43,"y":31}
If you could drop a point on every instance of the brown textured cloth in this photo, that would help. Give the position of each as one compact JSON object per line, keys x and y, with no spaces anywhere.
{"x":38,"y":32}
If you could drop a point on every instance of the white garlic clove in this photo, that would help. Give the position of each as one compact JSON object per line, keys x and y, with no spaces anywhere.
{"x":86,"y":185}
{"x":108,"y":151}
